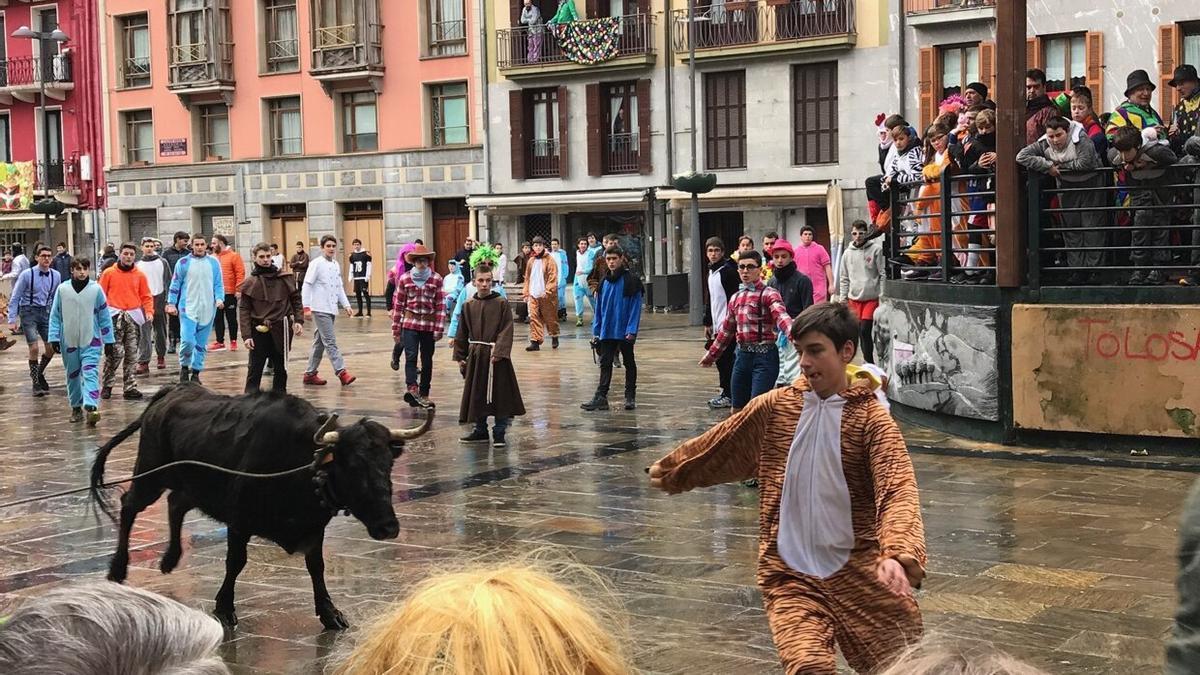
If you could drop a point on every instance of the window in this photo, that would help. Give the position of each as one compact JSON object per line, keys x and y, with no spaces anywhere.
{"x":284,"y":119}
{"x":190,"y":28}
{"x":724,"y":120}
{"x":960,"y":67}
{"x":5,"y":140}
{"x":814,"y":121}
{"x":1066,"y":63}
{"x":214,"y":132}
{"x":620,"y":130}
{"x":283,"y":46}
{"x":359,"y":126}
{"x":544,"y":149}
{"x":447,"y":27}
{"x":448,"y":105}
{"x":334,"y":13}
{"x":139,"y":137}
{"x":135,"y":46}
{"x":1191,"y":44}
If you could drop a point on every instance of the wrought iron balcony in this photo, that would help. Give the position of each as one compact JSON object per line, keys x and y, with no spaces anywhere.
{"x":926,"y":12}
{"x":22,"y":77}
{"x":56,"y":175}
{"x":135,"y":72}
{"x":543,"y":158}
{"x":621,"y":153}
{"x":920,"y":6}
{"x":721,"y":25}
{"x":201,"y":66}
{"x":534,"y":47}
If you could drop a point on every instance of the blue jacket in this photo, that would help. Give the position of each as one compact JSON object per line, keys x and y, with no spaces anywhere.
{"x":617,"y":314}
{"x":465,"y":294}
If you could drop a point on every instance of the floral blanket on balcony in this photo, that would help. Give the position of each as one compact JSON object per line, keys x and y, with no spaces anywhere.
{"x":16,"y":186}
{"x":591,"y":41}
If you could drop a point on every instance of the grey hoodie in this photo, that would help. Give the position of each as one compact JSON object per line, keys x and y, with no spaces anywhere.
{"x":861,"y":271}
{"x":1038,"y":156}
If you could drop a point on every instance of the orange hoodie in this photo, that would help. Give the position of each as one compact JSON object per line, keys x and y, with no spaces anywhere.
{"x":233,"y":270}
{"x":127,"y":290}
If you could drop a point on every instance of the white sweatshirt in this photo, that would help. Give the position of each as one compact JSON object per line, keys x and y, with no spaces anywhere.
{"x":323,"y":291}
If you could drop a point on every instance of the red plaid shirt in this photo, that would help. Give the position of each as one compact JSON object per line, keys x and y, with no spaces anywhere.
{"x":751,"y":317}
{"x":419,"y":307}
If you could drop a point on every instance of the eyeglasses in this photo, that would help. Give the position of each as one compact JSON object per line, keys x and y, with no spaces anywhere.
{"x":747,"y":267}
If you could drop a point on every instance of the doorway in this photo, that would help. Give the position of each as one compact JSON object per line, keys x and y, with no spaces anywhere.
{"x":218,"y":220}
{"x":141,"y":224}
{"x":629,"y":228}
{"x":364,"y":221}
{"x":289,"y":224}
{"x":451,"y":227}
{"x":728,"y":225}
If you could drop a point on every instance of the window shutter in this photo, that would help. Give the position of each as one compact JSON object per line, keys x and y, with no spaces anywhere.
{"x":516,"y":128}
{"x":987,"y":66}
{"x":514,"y":14}
{"x":1168,"y":52}
{"x":563,"y":162}
{"x":595,"y":146}
{"x":643,"y":6}
{"x":1094,"y":50}
{"x":1033,"y":53}
{"x":925,"y":86}
{"x":591,"y":9}
{"x":643,"y":113}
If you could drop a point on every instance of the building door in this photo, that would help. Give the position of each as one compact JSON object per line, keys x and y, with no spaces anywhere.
{"x":364,"y":221}
{"x":819,"y":219}
{"x":142,"y":224}
{"x":451,"y":227}
{"x":289,"y":224}
{"x":219,"y":220}
{"x":724,"y":224}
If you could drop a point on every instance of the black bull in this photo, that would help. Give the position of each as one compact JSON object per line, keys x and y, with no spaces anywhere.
{"x":256,"y":433}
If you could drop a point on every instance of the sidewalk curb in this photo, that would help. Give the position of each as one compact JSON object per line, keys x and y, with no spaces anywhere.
{"x":1076,"y":457}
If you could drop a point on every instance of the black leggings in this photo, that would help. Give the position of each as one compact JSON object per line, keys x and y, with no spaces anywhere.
{"x":362,"y":294}
{"x":227,"y":315}
{"x":866,"y":341}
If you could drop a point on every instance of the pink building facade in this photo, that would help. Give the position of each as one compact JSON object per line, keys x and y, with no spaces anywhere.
{"x":284,"y":120}
{"x":65,"y":143}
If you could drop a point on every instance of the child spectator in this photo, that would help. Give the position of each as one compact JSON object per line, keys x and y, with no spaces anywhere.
{"x":1144,"y":163}
{"x":1084,"y":112}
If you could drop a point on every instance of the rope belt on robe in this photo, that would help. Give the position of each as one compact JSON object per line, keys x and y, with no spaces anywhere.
{"x":490,"y":382}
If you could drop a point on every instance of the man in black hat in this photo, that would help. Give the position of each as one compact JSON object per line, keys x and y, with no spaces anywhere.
{"x":976,"y":93}
{"x":1136,"y":111}
{"x":1185,"y":119}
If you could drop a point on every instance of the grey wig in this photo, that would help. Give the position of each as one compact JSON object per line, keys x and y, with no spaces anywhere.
{"x":102,"y":628}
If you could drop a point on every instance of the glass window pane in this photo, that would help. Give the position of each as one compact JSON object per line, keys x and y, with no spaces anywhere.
{"x":951,"y":68}
{"x":972,"y":71}
{"x":539,"y":121}
{"x":1078,"y":59}
{"x":364,"y":119}
{"x":140,"y":47}
{"x":1191,"y":48}
{"x":456,"y":120}
{"x":1056,"y":60}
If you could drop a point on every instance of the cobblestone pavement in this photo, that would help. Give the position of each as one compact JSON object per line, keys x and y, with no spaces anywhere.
{"x":1070,"y":567}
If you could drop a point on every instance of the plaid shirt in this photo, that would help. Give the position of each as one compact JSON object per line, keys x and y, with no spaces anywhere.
{"x":420,"y":308}
{"x":751,"y":317}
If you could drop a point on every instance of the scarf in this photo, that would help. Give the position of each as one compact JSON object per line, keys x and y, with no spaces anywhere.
{"x":419,"y":277}
{"x":784,"y":273}
{"x":150,"y":258}
{"x":714,"y":267}
{"x":1036,"y":104}
{"x":123,"y":268}
{"x":633,"y":285}
{"x":79,"y":284}
{"x":259,"y":270}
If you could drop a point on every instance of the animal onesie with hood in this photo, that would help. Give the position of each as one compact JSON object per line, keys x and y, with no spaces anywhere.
{"x":541,"y":284}
{"x":564,"y":276}
{"x":584,"y":262}
{"x":491,"y":388}
{"x":270,"y":301}
{"x":81,"y":325}
{"x":196,"y":289}
{"x":131,"y":306}
{"x":796,"y":289}
{"x":1079,"y":155}
{"x":158,"y":277}
{"x":837,"y":495}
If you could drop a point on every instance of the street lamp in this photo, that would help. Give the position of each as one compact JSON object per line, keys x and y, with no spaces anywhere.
{"x":43,"y":69}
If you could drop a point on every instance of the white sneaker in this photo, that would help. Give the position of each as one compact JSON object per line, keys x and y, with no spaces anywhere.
{"x":720,"y":402}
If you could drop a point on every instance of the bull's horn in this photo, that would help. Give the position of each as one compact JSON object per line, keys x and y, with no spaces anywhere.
{"x":409,"y":434}
{"x":328,"y":438}
{"x":325,"y":434}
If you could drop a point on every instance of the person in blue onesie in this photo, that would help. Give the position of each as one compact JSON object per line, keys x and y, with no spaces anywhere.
{"x":564,"y":267}
{"x":585,"y":259}
{"x":197,"y":293}
{"x":482,"y":255}
{"x":80,"y":327}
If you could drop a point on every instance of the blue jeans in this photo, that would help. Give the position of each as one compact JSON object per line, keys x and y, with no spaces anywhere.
{"x":418,"y":341}
{"x":498,"y":428}
{"x":35,"y":323}
{"x":754,"y":373}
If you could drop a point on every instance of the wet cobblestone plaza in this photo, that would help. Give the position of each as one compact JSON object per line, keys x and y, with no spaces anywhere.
{"x":1068,"y":566}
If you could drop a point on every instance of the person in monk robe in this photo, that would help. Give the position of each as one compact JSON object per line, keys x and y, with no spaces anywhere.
{"x":483,"y":348}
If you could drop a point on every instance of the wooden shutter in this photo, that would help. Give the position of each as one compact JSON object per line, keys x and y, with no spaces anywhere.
{"x":591,"y":9}
{"x":595,"y":144}
{"x":987,"y":66}
{"x":927,"y":72}
{"x":516,"y":129}
{"x":1168,"y":55}
{"x":514,"y":14}
{"x":643,"y":6}
{"x":564,"y":163}
{"x":1094,"y":53}
{"x":643,"y":113}
{"x":1033,"y":53}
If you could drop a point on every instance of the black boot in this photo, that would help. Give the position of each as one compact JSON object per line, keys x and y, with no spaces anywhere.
{"x":185,"y":374}
{"x":46,"y":358}
{"x":477,"y":435}
{"x":196,"y":376}
{"x":554,"y":342}
{"x":35,"y":376}
{"x":598,"y":402}
{"x":76,"y":414}
{"x":533,"y":347}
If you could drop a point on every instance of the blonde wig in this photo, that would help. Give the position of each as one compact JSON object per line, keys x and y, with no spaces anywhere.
{"x":933,"y":659}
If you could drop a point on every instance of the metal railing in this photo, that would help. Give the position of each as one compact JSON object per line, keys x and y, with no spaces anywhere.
{"x":543,"y":158}
{"x":347,"y":47}
{"x":1107,"y":230}
{"x":922,"y":6}
{"x":730,"y":24}
{"x":56,"y":174}
{"x":622,"y":153}
{"x":962,"y":204}
{"x":135,"y":71}
{"x":525,"y":46}
{"x":447,"y":38}
{"x":20,"y":71}
{"x":326,"y":37}
{"x":200,"y":64}
{"x":282,"y":52}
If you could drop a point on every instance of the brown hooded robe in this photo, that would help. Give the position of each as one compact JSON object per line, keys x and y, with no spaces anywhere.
{"x":487,"y":320}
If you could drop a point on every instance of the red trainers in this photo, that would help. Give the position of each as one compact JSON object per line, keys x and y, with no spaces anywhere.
{"x":313,"y":378}
{"x":345,"y":376}
{"x":217,"y":347}
{"x":233,"y":345}
{"x":142,"y":369}
{"x":162,"y":363}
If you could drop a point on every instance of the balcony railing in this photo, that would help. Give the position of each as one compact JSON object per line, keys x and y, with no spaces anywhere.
{"x":57,"y":174}
{"x":135,"y":71}
{"x":282,"y":53}
{"x":731,"y":24}
{"x":347,"y":47}
{"x":543,"y":158}
{"x":200,"y":64}
{"x":22,"y":71}
{"x":622,"y":153}
{"x":922,"y":6}
{"x":525,"y":46}
{"x":447,"y":38}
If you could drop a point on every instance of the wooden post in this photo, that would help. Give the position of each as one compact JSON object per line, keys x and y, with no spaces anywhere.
{"x":1010,"y":138}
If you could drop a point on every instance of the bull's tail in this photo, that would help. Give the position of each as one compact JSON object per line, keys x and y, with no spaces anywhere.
{"x":99,"y":496}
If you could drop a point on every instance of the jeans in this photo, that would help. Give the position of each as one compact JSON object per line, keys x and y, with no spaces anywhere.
{"x":725,"y":370}
{"x":324,"y":340}
{"x":35,"y":323}
{"x":418,"y":341}
{"x":498,"y":428}
{"x":227,"y":315}
{"x":265,"y":350}
{"x":754,"y":373}
{"x":608,"y":351}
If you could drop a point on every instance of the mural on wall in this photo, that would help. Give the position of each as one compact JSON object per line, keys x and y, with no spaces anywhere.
{"x":939,"y":357}
{"x":1116,"y":369}
{"x":16,"y":186}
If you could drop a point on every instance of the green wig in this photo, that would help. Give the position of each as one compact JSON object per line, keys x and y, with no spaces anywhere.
{"x":484,"y":254}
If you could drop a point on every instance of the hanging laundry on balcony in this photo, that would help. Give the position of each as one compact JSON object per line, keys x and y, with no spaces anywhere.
{"x":591,"y":41}
{"x":16,"y":186}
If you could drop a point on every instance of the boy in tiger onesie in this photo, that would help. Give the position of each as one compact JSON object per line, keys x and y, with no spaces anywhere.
{"x":841,"y":542}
